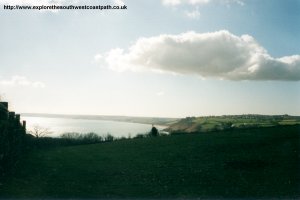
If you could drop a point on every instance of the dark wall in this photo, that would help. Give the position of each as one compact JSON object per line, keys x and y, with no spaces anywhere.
{"x":12,"y":135}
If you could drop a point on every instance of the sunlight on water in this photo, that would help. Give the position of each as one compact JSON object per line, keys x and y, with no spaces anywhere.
{"x":62,"y":125}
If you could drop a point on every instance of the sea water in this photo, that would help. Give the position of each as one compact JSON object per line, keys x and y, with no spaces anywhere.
{"x":58,"y":126}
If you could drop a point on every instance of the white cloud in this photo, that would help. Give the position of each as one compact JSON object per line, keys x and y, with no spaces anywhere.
{"x":240,"y":2}
{"x":217,"y":54}
{"x":119,"y":2}
{"x":194,"y":14}
{"x":160,"y":93}
{"x":22,"y":81}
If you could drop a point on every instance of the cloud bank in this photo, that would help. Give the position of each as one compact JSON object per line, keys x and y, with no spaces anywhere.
{"x":221,"y":55}
{"x":22,"y":81}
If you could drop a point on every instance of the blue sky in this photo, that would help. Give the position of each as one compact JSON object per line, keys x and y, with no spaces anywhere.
{"x":201,"y":57}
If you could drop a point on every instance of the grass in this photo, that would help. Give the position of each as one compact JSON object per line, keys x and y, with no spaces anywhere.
{"x":213,"y":123}
{"x":256,"y":163}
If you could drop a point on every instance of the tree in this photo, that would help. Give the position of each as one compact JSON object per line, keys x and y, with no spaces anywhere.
{"x":38,"y":131}
{"x":154,"y":131}
{"x":108,"y":138}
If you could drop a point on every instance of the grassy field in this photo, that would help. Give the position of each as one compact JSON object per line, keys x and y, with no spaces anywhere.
{"x":246,"y":163}
{"x":225,"y":122}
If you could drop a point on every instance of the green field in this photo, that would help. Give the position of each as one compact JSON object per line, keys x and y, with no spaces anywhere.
{"x":225,"y":122}
{"x":245,"y":163}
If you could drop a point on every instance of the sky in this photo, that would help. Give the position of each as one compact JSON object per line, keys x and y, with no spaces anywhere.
{"x":159,"y":58}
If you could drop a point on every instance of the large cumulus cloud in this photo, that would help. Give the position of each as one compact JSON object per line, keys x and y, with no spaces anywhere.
{"x":219,"y":54}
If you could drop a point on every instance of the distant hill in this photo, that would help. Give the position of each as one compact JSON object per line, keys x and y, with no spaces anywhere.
{"x":143,"y":120}
{"x":225,"y":122}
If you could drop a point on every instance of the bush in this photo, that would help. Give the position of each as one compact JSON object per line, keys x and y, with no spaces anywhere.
{"x":140,"y":135}
{"x":109,"y":138}
{"x":80,"y":138}
{"x":72,"y":135}
{"x":92,"y":138}
{"x":154,"y":131}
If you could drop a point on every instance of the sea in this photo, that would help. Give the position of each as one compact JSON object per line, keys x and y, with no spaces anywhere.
{"x":57,"y":126}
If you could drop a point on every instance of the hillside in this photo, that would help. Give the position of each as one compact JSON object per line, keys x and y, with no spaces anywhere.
{"x":226,"y":122}
{"x":256,"y":163}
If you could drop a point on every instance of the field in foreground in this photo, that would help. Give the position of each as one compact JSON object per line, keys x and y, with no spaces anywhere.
{"x":262,"y":162}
